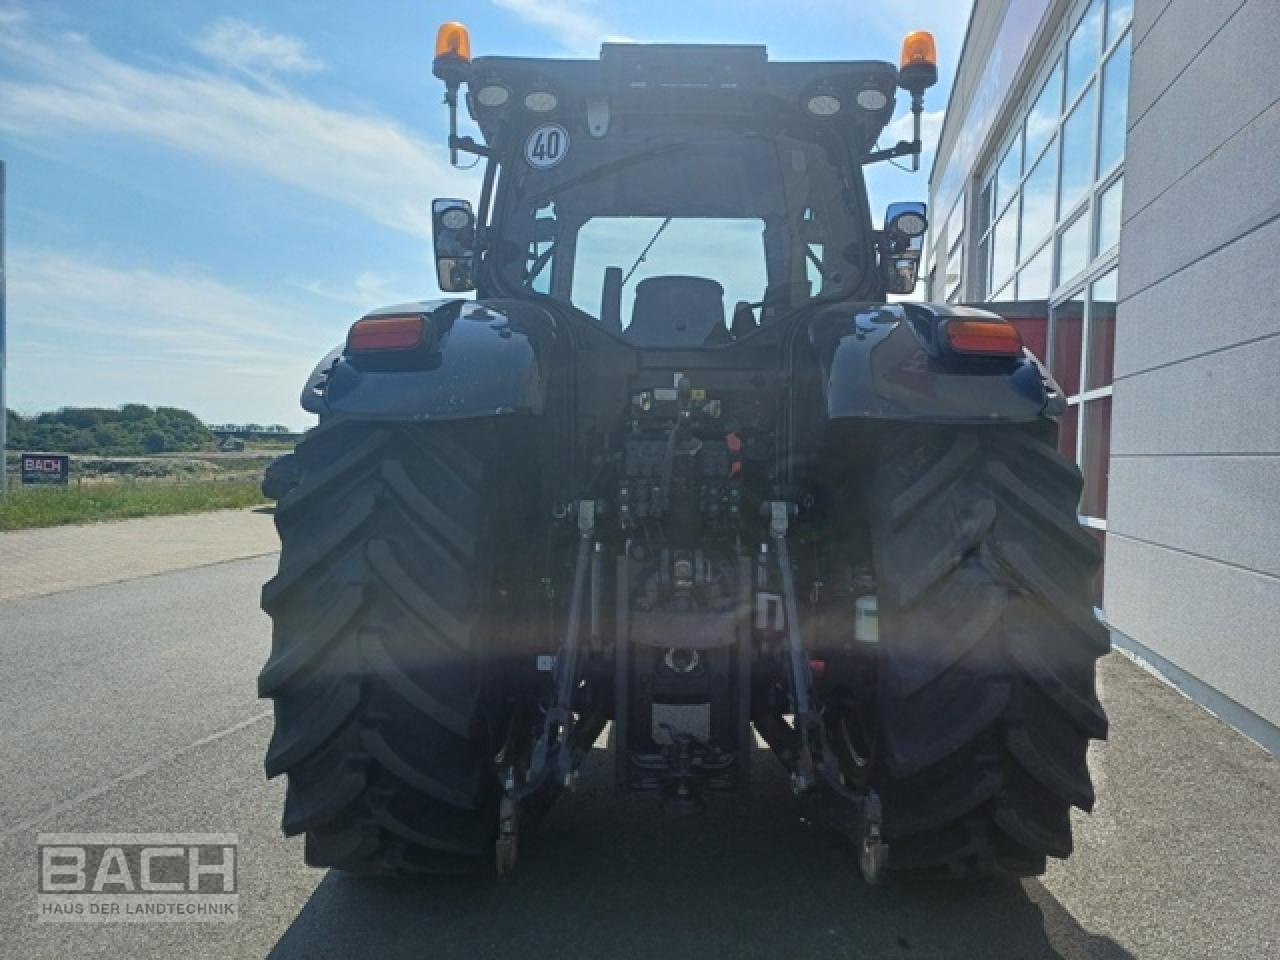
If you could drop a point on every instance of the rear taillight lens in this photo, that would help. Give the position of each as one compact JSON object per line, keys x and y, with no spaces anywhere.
{"x":373,"y":334}
{"x":985,"y":338}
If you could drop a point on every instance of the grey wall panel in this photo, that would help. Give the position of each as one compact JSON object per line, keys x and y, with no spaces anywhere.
{"x":1213,"y":204}
{"x":1146,"y":14}
{"x":1193,"y":542}
{"x":1225,"y":402}
{"x":1224,"y":508}
{"x":1175,"y":39}
{"x":1217,"y":622}
{"x":1227,"y":297}
{"x":1225,"y":86}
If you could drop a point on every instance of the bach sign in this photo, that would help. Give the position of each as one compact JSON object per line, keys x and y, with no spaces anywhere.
{"x":45,"y":468}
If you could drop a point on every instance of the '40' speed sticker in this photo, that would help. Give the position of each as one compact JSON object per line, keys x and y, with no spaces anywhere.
{"x":546,"y":146}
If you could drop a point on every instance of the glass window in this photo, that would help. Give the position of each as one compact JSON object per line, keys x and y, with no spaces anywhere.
{"x":1064,"y":361}
{"x":542,"y":247}
{"x":1084,"y":48}
{"x":729,"y":250}
{"x":1119,"y":13}
{"x":541,"y":282}
{"x":1044,"y":115}
{"x":954,"y":269}
{"x":1115,"y":108}
{"x":1073,"y":248}
{"x":955,"y":223}
{"x":1102,"y":333}
{"x":1068,"y":430}
{"x":811,"y":271}
{"x":1101,"y":537}
{"x":1038,"y":200}
{"x":1109,"y":217}
{"x":1008,"y":174}
{"x":1036,"y":277}
{"x":1004,"y":254}
{"x":1035,"y":332}
{"x":984,"y":208}
{"x":1077,"y":153}
{"x":1095,"y":456}
{"x":980,"y":269}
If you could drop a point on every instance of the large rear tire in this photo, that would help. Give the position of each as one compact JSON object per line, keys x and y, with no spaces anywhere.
{"x":388,"y":712}
{"x":988,"y":648}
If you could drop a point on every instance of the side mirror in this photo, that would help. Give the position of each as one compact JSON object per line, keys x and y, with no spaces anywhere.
{"x":453,"y":229}
{"x":902,"y":243}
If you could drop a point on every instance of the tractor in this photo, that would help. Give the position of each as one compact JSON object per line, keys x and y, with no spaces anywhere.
{"x":665,"y":466}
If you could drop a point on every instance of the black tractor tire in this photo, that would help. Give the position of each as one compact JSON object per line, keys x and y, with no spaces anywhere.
{"x":988,"y":643}
{"x":280,"y":477}
{"x":387,"y":703}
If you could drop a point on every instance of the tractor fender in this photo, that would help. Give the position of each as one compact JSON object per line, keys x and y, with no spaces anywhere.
{"x":481,"y":361}
{"x":889,"y":362}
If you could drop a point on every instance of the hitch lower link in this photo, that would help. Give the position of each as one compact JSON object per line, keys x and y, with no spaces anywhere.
{"x":553,"y":759}
{"x":855,"y":813}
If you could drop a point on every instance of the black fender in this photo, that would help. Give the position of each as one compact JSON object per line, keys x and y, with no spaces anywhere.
{"x":480,"y":361}
{"x":889,"y":362}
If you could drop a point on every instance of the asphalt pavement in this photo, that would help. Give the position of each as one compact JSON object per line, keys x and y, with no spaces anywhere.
{"x":131,"y":706}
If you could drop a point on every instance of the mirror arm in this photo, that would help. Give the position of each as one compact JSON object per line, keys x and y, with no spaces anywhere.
{"x":451,"y":101}
{"x":467,"y":145}
{"x":457,"y":143}
{"x":904,"y":148}
{"x":917,"y":108}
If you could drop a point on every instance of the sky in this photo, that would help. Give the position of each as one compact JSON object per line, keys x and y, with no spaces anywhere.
{"x":203,"y":196}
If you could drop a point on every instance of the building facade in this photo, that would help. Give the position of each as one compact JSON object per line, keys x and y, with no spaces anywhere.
{"x":1108,"y":177}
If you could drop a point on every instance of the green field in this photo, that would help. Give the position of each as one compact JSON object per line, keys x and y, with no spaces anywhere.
{"x":22,"y":508}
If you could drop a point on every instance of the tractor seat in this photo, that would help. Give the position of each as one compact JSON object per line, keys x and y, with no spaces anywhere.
{"x":677,"y":311}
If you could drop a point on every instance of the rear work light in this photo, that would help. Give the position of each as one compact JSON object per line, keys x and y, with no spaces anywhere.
{"x":984,"y":338}
{"x":374,"y":334}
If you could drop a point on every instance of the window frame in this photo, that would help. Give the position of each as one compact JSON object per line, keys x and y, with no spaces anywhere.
{"x":1098,"y":263}
{"x":1100,"y":181}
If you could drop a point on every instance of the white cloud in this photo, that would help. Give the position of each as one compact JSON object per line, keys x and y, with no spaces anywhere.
{"x":87,"y":332}
{"x":364,"y":161}
{"x":182,"y":307}
{"x":242,"y":46}
{"x":574,"y":24}
{"x":947,"y":20}
{"x":369,"y":289}
{"x":902,"y":129}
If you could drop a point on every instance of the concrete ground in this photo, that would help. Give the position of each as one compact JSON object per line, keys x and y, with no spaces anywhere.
{"x":43,"y":561}
{"x":130,"y":706}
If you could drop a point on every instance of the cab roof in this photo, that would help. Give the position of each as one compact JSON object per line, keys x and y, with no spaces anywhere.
{"x":672,"y":80}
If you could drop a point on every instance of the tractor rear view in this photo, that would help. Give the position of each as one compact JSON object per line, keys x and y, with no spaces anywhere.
{"x":679,"y":468}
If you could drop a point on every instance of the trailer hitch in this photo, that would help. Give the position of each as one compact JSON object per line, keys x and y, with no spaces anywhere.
{"x":856,"y":813}
{"x":507,"y":846}
{"x":807,"y":723}
{"x":552,"y":755}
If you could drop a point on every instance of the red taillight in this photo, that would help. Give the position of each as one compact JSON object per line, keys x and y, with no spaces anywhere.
{"x":385,"y":333}
{"x":990,"y":338}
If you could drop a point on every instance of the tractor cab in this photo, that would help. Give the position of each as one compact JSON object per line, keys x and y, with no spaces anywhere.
{"x":675,"y":195}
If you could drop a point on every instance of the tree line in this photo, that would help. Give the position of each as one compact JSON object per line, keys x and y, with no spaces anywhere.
{"x":132,"y":429}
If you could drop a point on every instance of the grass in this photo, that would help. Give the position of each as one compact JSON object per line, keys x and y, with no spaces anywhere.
{"x":24,"y":508}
